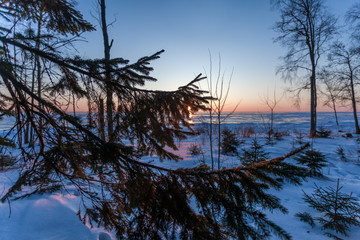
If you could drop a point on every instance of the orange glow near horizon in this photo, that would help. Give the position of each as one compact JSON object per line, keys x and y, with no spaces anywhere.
{"x":248,"y":106}
{"x":190,"y":114}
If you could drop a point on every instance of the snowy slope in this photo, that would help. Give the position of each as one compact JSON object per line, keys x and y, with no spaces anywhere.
{"x":53,"y":216}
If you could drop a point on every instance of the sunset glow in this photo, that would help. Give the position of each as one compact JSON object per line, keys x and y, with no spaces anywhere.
{"x":190,"y":114}
{"x":240,"y":31}
{"x":179,"y":119}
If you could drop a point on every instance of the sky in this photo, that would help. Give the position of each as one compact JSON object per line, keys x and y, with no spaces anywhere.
{"x":239,"y":31}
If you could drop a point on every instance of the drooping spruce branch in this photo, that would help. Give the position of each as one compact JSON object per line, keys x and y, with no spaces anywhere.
{"x":119,"y":190}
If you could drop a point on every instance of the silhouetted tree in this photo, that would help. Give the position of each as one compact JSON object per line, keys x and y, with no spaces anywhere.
{"x":137,"y":200}
{"x":109,"y":92}
{"x":219,"y":92}
{"x":333,"y":90}
{"x":305,"y":28}
{"x":229,"y":142}
{"x":255,"y":154}
{"x":353,"y":18}
{"x":314,"y":160}
{"x":339,"y":211}
{"x":345,"y":67}
{"x":271,"y":103}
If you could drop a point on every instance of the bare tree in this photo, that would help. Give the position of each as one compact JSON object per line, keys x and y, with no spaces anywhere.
{"x":109,"y":92}
{"x":271,"y":103}
{"x":119,"y":191}
{"x":219,"y":93}
{"x":332,"y":91}
{"x":353,"y":17}
{"x":345,"y":65}
{"x":305,"y":28}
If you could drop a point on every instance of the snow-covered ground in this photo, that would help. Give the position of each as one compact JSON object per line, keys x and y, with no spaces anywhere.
{"x":53,"y":216}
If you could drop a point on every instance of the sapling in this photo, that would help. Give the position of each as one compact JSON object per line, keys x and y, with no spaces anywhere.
{"x":323,"y":133}
{"x":229,"y":142}
{"x":195,"y":149}
{"x":339,"y":210}
{"x":254,"y":154}
{"x":299,"y":137}
{"x":340,"y":151}
{"x":306,"y":217}
{"x":312,"y":159}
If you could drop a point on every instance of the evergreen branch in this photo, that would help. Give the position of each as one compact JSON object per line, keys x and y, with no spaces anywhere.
{"x":203,"y":170}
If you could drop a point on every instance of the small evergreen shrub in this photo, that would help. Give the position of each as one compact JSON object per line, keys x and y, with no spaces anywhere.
{"x":275,"y":135}
{"x":229,"y":143}
{"x":306,"y":217}
{"x":323,"y":133}
{"x":254,"y":154}
{"x":299,"y":137}
{"x":339,"y":210}
{"x":332,"y":236}
{"x":202,"y":161}
{"x":195,"y":149}
{"x":312,"y":159}
{"x":4,"y":142}
{"x":6,"y":162}
{"x":269,"y":137}
{"x":348,"y":135}
{"x":278,"y":135}
{"x":340,"y":151}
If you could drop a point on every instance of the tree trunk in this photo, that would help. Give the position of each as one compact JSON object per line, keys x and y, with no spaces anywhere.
{"x":313,"y":103}
{"x":74,"y":104}
{"x":219,"y":134}
{"x":271,"y":121}
{"x":109,"y":92}
{"x":211,"y":134}
{"x":211,"y":140}
{"x":38,"y":66}
{"x":353,"y":100}
{"x":335,"y":112}
{"x":31,"y":142}
{"x":89,"y":115}
{"x":101,"y":119}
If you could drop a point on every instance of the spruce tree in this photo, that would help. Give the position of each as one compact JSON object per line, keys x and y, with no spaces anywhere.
{"x":229,"y":142}
{"x":254,"y":154}
{"x":341,"y":153}
{"x":339,"y":210}
{"x":139,"y":200}
{"x":312,"y":159}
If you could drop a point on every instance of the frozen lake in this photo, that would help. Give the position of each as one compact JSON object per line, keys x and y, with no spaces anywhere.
{"x":294,"y":120}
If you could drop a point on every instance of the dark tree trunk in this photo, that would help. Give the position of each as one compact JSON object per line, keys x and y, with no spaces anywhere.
{"x":335,"y":112}
{"x":89,"y":115}
{"x":211,"y":139}
{"x":353,"y":100}
{"x":38,"y":69}
{"x":219,"y":134}
{"x":313,"y":103}
{"x":109,"y":92}
{"x":101,"y":119}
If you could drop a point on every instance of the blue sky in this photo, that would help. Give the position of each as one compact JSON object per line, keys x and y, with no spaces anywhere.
{"x":240,"y":30}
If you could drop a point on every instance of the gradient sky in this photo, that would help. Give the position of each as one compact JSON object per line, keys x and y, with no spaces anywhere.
{"x":239,"y":30}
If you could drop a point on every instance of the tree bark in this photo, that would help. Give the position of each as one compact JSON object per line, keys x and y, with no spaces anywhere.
{"x":109,"y":92}
{"x":38,"y":68}
{"x":353,"y":100}
{"x":313,"y":103}
{"x":101,"y":119}
{"x":89,"y":115}
{"x":210,"y":137}
{"x":219,"y":134}
{"x":335,"y":112}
